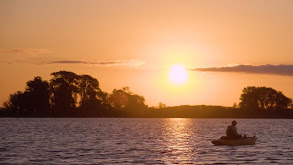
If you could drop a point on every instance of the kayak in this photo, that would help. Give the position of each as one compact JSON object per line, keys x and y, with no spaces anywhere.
{"x":237,"y":142}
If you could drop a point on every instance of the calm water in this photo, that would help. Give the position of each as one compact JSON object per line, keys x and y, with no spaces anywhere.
{"x":141,"y":141}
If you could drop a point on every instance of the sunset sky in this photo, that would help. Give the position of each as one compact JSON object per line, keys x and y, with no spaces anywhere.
{"x":146,"y":44}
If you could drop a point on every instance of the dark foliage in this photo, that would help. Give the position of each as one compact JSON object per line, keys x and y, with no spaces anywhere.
{"x":37,"y":95}
{"x":72,"y":95}
{"x":69,"y":94}
{"x":124,"y":99}
{"x":263,"y":98}
{"x":64,"y":89}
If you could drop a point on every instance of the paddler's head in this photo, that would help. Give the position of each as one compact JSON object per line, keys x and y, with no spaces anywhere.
{"x":234,"y":122}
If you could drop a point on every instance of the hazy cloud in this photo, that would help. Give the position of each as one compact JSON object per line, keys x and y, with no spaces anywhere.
{"x":28,"y":56}
{"x":24,"y":51}
{"x":134,"y":63}
{"x":285,"y":70}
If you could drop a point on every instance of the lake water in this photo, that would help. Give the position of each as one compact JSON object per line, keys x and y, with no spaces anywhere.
{"x":141,"y":141}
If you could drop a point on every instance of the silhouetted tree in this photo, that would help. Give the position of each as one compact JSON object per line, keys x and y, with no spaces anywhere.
{"x":162,"y":105}
{"x":64,"y":90}
{"x":125,"y":99}
{"x":91,"y":96}
{"x":16,"y":102}
{"x":118,"y":99}
{"x":263,"y":98}
{"x":135,"y":102}
{"x":37,"y":94}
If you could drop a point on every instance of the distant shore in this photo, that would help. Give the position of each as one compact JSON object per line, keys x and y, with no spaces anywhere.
{"x":168,"y":112}
{"x":68,"y":94}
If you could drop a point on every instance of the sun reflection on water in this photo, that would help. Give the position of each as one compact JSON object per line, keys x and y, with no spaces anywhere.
{"x":178,"y":141}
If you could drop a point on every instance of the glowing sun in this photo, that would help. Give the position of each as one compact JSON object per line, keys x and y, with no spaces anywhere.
{"x":178,"y":74}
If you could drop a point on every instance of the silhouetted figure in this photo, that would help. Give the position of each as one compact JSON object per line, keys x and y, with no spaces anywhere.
{"x":231,"y":131}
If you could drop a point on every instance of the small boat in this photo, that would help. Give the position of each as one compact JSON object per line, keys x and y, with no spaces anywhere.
{"x":236,"y":142}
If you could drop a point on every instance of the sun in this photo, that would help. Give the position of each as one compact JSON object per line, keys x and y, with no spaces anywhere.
{"x":178,"y":74}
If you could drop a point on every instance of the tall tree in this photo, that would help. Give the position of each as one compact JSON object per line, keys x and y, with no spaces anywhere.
{"x":91,"y":96}
{"x":64,"y":90}
{"x":38,"y":94}
{"x":263,"y":98}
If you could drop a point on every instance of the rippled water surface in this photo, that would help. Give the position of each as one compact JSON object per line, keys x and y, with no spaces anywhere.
{"x":141,"y":141}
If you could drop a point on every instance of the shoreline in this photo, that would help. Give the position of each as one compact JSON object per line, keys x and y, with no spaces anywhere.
{"x":209,"y":112}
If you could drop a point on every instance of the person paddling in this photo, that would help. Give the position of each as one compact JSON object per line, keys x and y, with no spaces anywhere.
{"x":231,"y":131}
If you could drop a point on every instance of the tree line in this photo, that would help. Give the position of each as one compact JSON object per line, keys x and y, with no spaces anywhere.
{"x":264,"y":99}
{"x":68,"y":94}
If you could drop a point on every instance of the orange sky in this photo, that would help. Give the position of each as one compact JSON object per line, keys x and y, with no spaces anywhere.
{"x":145,"y":38}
